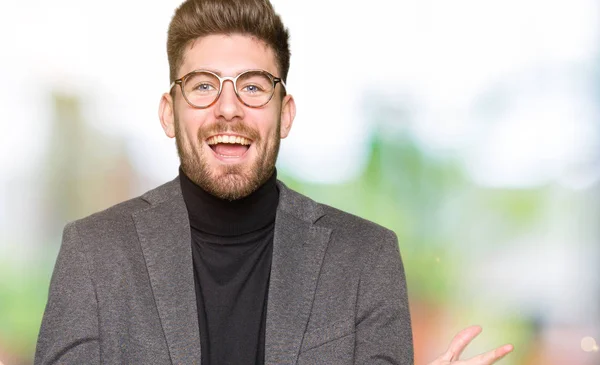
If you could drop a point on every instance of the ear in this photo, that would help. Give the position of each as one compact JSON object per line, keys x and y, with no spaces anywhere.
{"x":166,"y":115}
{"x":288,"y":113}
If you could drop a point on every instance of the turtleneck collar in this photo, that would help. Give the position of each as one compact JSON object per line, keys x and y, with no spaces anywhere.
{"x":220,"y":217}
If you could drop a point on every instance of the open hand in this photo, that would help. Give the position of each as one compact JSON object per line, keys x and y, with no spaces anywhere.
{"x":460,"y":342}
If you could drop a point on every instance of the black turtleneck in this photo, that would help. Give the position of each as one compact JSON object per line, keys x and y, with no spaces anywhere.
{"x":232,"y":245}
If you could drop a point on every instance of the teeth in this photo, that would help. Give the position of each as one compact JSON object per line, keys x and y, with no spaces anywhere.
{"x":228,"y":139}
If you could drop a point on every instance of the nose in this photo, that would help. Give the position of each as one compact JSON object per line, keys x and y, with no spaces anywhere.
{"x":228,"y":107}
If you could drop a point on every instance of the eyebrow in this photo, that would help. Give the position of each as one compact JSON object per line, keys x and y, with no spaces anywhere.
{"x":211,"y":70}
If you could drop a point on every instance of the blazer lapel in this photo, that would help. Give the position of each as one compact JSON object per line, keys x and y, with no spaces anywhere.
{"x":298,"y":249}
{"x":164,"y":234}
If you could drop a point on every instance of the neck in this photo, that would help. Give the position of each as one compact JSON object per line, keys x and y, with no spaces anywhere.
{"x":216,"y":216}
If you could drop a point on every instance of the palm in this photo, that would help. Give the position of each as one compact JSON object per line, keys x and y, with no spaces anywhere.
{"x":460,"y":342}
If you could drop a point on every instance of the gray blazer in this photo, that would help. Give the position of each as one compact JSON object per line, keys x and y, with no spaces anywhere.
{"x":122,"y":291}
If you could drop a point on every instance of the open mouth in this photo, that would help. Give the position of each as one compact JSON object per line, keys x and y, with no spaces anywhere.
{"x":229,"y":146}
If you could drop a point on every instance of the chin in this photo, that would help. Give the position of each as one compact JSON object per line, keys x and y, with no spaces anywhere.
{"x":233,"y":187}
{"x":229,"y":178}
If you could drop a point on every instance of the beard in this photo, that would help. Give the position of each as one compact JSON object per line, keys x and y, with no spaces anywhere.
{"x":228,"y":181}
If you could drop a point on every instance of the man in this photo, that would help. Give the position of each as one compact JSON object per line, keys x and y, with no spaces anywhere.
{"x":225,"y":264}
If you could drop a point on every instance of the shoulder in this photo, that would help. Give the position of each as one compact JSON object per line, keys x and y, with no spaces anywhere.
{"x":353,"y":224}
{"x":363,"y":240}
{"x":119,"y":215}
{"x":345,"y":226}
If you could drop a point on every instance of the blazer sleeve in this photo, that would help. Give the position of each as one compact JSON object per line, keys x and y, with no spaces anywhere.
{"x":383,"y":330}
{"x":69,"y":332}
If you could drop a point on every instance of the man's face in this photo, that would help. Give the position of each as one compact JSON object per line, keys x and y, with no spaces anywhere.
{"x":208,"y":140}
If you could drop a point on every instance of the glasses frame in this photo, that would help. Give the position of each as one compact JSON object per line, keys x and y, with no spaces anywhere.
{"x":181,"y":82}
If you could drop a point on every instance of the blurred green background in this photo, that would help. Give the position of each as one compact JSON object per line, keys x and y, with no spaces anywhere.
{"x":469,"y":128}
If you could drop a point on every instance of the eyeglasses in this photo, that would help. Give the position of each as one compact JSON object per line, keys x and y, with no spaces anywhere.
{"x":202,"y":88}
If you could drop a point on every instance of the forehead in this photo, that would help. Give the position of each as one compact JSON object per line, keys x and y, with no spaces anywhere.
{"x":228,"y":55}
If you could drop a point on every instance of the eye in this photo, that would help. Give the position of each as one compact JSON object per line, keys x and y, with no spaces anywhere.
{"x":252,"y":89}
{"x":204,"y":87}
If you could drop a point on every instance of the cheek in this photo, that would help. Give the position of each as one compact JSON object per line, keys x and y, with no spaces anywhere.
{"x":190,"y":123}
{"x":267,"y":126}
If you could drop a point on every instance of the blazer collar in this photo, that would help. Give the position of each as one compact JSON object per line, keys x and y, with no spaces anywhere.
{"x":298,"y":249}
{"x":290,"y":201}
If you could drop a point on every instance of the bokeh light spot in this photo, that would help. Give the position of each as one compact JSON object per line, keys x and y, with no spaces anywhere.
{"x":588,"y":344}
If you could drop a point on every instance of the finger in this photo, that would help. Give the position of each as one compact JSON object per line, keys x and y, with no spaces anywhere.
{"x":490,"y":357}
{"x":460,"y":341}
